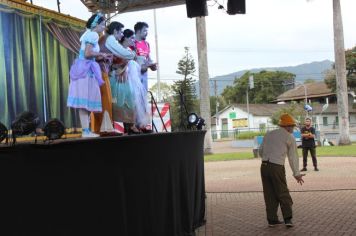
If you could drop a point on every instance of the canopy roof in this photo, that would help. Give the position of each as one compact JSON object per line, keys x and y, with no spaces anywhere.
{"x":24,"y":6}
{"x":120,"y":6}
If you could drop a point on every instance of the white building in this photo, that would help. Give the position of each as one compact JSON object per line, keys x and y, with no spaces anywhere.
{"x":236,"y":117}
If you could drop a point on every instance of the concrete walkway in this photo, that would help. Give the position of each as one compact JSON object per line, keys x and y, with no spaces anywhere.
{"x":324,"y":205}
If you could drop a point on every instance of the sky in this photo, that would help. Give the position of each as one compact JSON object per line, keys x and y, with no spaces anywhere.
{"x":272,"y":33}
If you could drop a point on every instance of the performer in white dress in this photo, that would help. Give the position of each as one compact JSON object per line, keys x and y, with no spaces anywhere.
{"x":132,"y":95}
{"x":85,"y":74}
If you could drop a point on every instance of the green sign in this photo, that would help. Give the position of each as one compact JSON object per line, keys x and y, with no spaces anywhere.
{"x":232,"y":115}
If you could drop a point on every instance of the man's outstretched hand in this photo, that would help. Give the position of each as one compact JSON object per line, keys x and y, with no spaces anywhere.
{"x":299,"y":179}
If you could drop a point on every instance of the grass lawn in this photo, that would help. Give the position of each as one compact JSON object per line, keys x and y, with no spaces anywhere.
{"x":335,"y":151}
{"x":229,"y":156}
{"x":320,"y":152}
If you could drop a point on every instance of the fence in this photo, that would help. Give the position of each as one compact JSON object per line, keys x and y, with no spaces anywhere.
{"x":240,"y":133}
{"x":329,"y":131}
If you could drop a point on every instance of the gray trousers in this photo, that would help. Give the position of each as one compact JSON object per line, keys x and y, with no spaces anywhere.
{"x":275,"y":191}
{"x":313,"y":155}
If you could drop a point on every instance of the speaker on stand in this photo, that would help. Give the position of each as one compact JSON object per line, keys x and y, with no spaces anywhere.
{"x":196,"y":8}
{"x":236,"y":7}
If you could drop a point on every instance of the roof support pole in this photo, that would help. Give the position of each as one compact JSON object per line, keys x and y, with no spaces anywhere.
{"x":204,"y":81}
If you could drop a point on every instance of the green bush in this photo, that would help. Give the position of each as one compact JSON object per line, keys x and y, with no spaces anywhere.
{"x":249,"y":134}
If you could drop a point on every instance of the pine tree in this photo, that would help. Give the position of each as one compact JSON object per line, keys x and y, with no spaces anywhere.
{"x":184,"y":92}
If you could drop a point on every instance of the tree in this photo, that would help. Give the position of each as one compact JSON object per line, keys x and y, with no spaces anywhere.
{"x":267,"y":86}
{"x":340,"y":69}
{"x":186,"y":88}
{"x":330,"y":75}
{"x":350,"y":56}
{"x":186,"y":65}
{"x":330,"y":79}
{"x":295,"y":109}
{"x":166,"y":91}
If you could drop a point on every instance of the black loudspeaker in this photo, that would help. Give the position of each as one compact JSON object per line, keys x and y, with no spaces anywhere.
{"x":236,"y":7}
{"x":196,"y":8}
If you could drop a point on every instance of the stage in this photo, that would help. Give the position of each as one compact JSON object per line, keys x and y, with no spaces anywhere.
{"x":150,"y":184}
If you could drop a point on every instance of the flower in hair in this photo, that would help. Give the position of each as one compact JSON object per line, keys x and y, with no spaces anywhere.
{"x":95,"y":21}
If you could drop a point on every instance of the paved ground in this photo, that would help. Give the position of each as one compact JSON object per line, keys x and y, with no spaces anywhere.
{"x":225,"y":147}
{"x":324,"y":205}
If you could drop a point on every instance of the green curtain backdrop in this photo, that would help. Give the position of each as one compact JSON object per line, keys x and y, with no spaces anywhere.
{"x":26,"y":81}
{"x":20,"y":60}
{"x":58,"y":60}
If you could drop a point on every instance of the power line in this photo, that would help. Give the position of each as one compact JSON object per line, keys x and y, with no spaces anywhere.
{"x":235,"y":77}
{"x":231,"y":82}
{"x":264,"y":50}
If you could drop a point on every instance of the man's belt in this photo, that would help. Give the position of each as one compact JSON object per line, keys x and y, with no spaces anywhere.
{"x":270,"y":163}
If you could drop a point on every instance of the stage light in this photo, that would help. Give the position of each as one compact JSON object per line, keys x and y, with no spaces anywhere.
{"x":195,"y":121}
{"x":3,"y":133}
{"x":54,"y":129}
{"x":24,"y":124}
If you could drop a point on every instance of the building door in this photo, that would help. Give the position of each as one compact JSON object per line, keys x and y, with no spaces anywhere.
{"x":224,"y":128}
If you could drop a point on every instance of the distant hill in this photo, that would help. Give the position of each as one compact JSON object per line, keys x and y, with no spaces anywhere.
{"x":313,"y":70}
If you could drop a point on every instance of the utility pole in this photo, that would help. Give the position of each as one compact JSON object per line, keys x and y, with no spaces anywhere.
{"x":216,"y":109}
{"x":250,"y":85}
{"x":305,"y":95}
{"x":248,"y":109}
{"x":204,"y":81}
{"x":305,"y":92}
{"x":58,"y":5}
{"x":157,"y":60}
{"x":216,"y":102}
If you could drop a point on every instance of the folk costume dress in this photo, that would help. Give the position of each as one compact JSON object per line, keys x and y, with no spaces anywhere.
{"x":129,"y":95}
{"x":86,"y":78}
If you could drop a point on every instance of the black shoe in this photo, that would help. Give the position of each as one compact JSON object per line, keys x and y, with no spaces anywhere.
{"x":316,"y":169}
{"x":273,"y":223}
{"x":288,"y":223}
{"x":304,"y":169}
{"x":133,"y":131}
{"x":146,"y":131}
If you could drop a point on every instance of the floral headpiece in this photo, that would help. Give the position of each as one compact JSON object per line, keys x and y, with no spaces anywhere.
{"x":95,"y":21}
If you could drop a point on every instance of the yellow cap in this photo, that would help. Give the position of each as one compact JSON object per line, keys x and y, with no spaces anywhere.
{"x":286,"y":120}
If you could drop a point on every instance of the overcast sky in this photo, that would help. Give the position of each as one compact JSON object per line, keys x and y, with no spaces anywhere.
{"x":271,"y":33}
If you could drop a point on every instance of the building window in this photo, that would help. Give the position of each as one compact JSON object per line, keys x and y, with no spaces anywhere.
{"x":325,"y":121}
{"x":336,"y":120}
{"x":239,"y":123}
{"x":224,"y":121}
